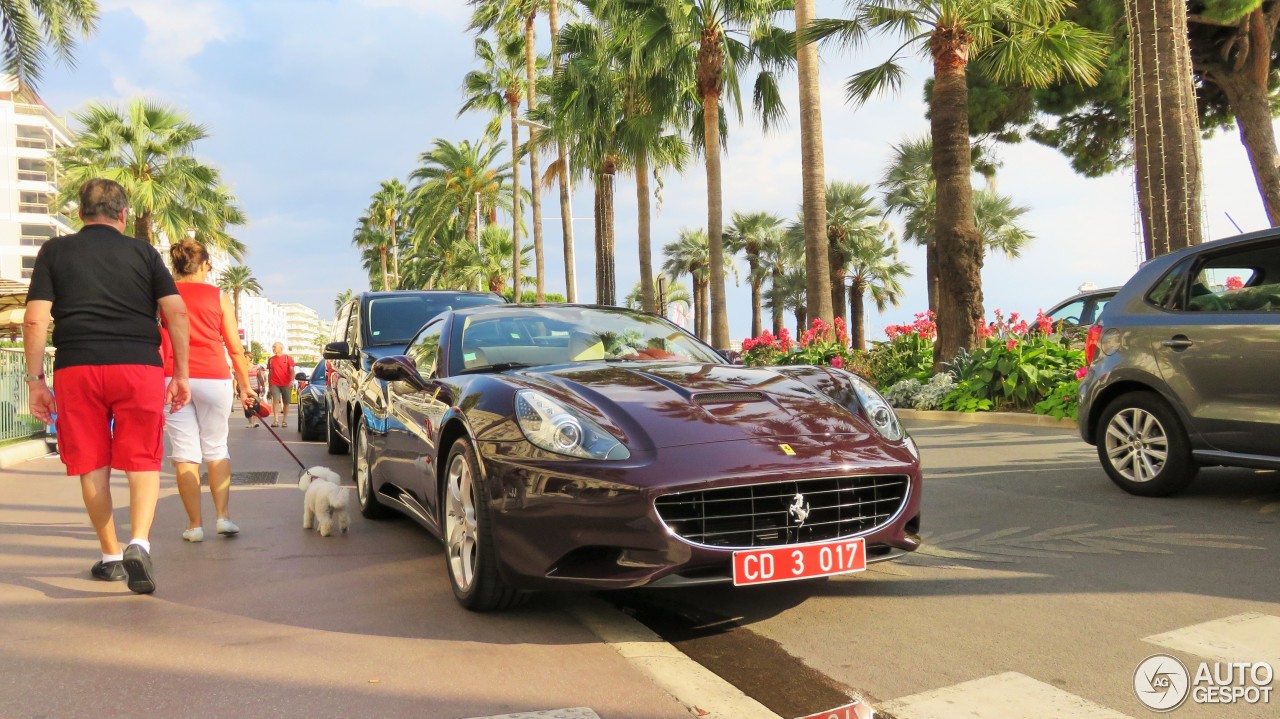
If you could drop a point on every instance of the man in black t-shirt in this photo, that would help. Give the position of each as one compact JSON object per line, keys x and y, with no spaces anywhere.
{"x":102,"y":289}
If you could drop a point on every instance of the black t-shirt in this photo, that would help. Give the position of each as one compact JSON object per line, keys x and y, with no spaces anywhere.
{"x":104,"y":287}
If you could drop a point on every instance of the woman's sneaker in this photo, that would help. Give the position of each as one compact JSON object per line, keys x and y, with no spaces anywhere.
{"x":195,"y":534}
{"x":227,"y":528}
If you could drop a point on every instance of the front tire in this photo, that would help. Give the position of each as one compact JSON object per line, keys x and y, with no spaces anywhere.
{"x":470,"y":556}
{"x":1143,"y":446}
{"x":337,"y":445}
{"x":362,"y":475}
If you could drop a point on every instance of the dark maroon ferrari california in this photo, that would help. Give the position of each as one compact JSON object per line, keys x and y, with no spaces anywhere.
{"x":566,"y":446}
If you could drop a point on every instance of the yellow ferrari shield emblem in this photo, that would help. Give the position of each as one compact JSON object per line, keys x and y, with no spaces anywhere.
{"x":787,"y":450}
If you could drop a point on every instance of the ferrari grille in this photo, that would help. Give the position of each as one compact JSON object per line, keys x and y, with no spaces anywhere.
{"x":718,"y":397}
{"x":778,"y":513}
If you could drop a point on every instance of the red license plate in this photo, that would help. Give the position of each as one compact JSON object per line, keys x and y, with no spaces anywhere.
{"x":802,"y":561}
{"x":856,"y":710}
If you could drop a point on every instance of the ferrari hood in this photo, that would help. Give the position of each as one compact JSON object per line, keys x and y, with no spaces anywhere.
{"x":674,"y":404}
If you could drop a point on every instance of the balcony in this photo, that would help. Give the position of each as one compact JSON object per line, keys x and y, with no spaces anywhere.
{"x":54,"y":121}
{"x":33,"y":175}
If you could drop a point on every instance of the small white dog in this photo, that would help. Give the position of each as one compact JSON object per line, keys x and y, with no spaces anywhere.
{"x":325,"y":502}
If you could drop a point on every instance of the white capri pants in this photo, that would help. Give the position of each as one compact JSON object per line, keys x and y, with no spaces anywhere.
{"x":198,"y":431}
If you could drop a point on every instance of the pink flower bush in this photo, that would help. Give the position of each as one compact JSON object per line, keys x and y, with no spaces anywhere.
{"x":1234,"y":283}
{"x":820,"y":344}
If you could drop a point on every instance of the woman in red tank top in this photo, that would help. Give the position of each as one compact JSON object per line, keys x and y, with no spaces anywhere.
{"x":198,"y":432}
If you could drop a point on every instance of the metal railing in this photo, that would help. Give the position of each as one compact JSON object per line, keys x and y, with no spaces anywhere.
{"x":16,"y":421}
{"x":33,"y":175}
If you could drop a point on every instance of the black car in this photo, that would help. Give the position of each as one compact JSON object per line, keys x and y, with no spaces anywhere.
{"x":312,"y":412}
{"x":374,"y":325}
{"x":1184,"y":366}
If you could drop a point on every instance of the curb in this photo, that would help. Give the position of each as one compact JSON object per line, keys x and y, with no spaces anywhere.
{"x":1007,"y":418}
{"x":693,"y":685}
{"x":16,"y":454}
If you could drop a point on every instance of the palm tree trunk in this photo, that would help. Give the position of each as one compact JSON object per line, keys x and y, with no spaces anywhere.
{"x":395,"y":251}
{"x":382,"y":258}
{"x":710,"y":71}
{"x":822,"y":296}
{"x":562,"y":173}
{"x":802,"y":316}
{"x":836,"y":283}
{"x":959,"y":246}
{"x":705,"y":316}
{"x":753,"y":265}
{"x":236,"y":296}
{"x":535,"y":178}
{"x":516,"y":294}
{"x":1166,"y":130}
{"x":648,"y":302}
{"x":606,"y":293}
{"x":142,"y":227}
{"x":931,"y":271}
{"x":857,"y":314}
{"x":775,"y":279}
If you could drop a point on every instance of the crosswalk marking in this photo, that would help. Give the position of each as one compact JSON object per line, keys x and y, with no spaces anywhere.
{"x":574,"y":713}
{"x":1249,"y":637}
{"x":1009,"y":696}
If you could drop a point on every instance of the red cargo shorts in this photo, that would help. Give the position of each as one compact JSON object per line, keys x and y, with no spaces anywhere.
{"x":89,"y":397}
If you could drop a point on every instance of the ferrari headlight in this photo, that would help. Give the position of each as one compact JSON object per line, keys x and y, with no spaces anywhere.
{"x":556,"y":428}
{"x":878,"y":411}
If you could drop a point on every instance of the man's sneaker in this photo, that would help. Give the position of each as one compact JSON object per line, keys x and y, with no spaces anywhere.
{"x":227,"y":527}
{"x":108,"y":571}
{"x":195,"y":534}
{"x":137,"y":563}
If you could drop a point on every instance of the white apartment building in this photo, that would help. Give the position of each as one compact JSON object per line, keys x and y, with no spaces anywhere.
{"x":29,"y":132}
{"x":264,"y":322}
{"x":303,"y":326}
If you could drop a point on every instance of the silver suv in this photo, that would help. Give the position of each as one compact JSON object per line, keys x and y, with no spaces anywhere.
{"x":1184,"y":366}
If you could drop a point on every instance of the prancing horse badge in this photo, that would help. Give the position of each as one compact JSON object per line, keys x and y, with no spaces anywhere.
{"x":787,"y":450}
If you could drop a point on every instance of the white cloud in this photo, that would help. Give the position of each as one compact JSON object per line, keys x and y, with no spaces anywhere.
{"x":178,"y":30}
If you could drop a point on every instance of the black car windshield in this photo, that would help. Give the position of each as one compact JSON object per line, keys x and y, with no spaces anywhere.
{"x":556,"y":335}
{"x":395,"y":319}
{"x":318,"y":375}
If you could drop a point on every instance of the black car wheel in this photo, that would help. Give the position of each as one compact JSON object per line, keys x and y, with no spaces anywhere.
{"x":337,"y":445}
{"x":305,"y":431}
{"x":468,"y":535}
{"x":1143,"y":447}
{"x":370,"y":507}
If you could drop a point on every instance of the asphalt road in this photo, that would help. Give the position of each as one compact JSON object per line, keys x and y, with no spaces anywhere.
{"x":1039,"y":590}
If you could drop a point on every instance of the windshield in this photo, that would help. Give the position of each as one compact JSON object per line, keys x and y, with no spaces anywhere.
{"x":545,"y":335}
{"x":395,"y":319}
{"x":317,"y":376}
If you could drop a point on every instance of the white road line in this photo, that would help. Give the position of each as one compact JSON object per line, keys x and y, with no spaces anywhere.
{"x":575,"y":713}
{"x":1008,"y":696}
{"x":1249,"y":637}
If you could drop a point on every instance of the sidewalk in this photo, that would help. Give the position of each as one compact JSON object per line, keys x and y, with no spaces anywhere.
{"x":277,"y":621}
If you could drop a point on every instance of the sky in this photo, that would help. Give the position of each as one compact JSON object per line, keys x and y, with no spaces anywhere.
{"x":309,"y":104}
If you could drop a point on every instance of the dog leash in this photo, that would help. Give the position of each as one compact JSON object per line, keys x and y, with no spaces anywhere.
{"x":256,"y":409}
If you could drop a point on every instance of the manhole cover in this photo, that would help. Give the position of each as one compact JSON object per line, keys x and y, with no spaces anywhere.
{"x":248,"y":478}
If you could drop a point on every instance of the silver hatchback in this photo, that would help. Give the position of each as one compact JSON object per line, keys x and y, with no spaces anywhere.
{"x":1184,"y":366}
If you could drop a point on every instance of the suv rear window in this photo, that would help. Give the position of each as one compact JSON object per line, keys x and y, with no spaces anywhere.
{"x":394,"y":320}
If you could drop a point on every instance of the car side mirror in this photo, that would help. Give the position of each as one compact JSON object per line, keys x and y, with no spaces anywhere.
{"x":399,"y":368}
{"x":338,"y":351}
{"x":733,"y":356}
{"x":301,"y":376}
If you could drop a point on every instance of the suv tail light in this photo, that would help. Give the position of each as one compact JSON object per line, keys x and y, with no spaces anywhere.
{"x":1091,"y":344}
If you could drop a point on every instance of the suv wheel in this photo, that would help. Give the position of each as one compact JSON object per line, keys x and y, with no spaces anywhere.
{"x":337,"y":445}
{"x":1143,"y":447}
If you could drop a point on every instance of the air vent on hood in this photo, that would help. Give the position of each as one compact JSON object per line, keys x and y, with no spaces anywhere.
{"x":727,"y":397}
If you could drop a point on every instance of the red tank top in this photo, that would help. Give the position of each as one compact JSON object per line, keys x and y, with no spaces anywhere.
{"x":207,"y":358}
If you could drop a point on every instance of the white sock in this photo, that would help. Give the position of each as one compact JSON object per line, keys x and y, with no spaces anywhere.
{"x":111,"y":558}
{"x":142,"y":543}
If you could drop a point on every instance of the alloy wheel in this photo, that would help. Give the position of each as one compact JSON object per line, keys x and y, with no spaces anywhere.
{"x":460,"y":523}
{"x":363,"y":488}
{"x":1137,"y":444}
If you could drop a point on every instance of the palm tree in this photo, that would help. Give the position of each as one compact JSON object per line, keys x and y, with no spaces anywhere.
{"x":813,"y":173}
{"x":778,"y":258}
{"x":1017,"y":40}
{"x":610,"y":104}
{"x":911,"y":191}
{"x":872,"y":266}
{"x":753,"y":234}
{"x":343,"y":298}
{"x":689,"y":255}
{"x":492,"y":265}
{"x":206,"y":216}
{"x":376,"y":243}
{"x":677,"y":294}
{"x":726,"y":36}
{"x":238,"y":279}
{"x":386,"y":210}
{"x":147,"y":149}
{"x":1166,"y":125}
{"x":495,"y":88}
{"x":30,"y":29}
{"x":851,"y":214}
{"x":456,"y":185}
